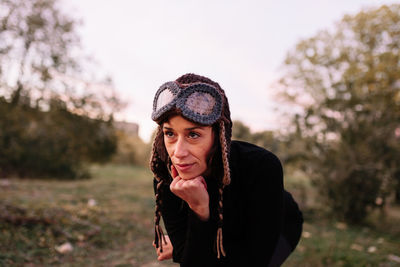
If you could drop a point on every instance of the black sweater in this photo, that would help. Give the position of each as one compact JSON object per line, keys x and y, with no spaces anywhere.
{"x":256,"y":211}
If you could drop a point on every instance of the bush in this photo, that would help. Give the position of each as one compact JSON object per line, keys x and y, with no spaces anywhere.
{"x":131,"y":150}
{"x":55,"y":143}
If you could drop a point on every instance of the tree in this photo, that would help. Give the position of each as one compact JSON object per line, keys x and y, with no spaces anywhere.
{"x":56,"y":113}
{"x":240,"y":131}
{"x":346,"y":82}
{"x":265,"y":139}
{"x":41,"y":59}
{"x":131,"y":150}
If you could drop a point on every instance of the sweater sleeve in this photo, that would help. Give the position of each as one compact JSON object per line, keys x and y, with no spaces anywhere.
{"x":262,"y":181}
{"x":192,"y":239}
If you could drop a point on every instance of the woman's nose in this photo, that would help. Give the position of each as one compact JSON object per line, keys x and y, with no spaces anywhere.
{"x":181,"y":149}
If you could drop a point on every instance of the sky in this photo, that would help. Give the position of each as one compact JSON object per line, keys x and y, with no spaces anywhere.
{"x":239,"y":44}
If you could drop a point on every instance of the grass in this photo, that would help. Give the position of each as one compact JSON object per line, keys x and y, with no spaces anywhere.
{"x":336,"y":244}
{"x":116,"y":231}
{"x":108,"y":220}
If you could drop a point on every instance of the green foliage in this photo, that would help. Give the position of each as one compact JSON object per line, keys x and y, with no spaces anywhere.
{"x":51,"y":144}
{"x":265,"y":139}
{"x":131,"y":150}
{"x":51,"y":120}
{"x":240,"y":131}
{"x":347,"y":84}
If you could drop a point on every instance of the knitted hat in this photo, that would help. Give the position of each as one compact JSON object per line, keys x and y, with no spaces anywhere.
{"x":202,"y":101}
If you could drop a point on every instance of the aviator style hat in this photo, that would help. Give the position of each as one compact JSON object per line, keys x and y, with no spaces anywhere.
{"x":202,"y":101}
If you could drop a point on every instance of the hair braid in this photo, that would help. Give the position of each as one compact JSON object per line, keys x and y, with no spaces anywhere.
{"x":154,"y":155}
{"x":225,"y":181}
{"x":219,"y":240}
{"x":159,"y":236}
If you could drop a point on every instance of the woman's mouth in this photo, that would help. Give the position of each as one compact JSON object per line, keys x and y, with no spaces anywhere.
{"x":183,"y":167}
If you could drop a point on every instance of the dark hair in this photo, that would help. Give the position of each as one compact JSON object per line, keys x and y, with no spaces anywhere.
{"x":218,"y":157}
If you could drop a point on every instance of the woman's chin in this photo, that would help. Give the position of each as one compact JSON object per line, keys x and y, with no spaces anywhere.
{"x":186,"y":176}
{"x":189,"y":174}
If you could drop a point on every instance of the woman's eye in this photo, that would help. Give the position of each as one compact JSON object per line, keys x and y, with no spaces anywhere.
{"x":194,"y":135}
{"x":168,"y":133}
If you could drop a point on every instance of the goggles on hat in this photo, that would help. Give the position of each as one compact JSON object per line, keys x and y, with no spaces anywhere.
{"x":200,"y":102}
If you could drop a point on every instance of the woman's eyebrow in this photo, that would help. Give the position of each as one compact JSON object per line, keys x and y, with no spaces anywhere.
{"x":186,"y":129}
{"x":194,"y":128}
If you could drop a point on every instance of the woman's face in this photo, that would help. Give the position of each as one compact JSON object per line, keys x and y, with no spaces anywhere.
{"x":188,"y":145}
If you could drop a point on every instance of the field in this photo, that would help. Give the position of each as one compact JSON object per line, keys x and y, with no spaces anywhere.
{"x":108,"y":221}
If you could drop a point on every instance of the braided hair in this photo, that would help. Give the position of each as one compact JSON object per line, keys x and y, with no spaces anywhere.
{"x":218,"y":159}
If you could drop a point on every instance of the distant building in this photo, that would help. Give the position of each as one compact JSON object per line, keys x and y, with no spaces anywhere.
{"x":129,"y":128}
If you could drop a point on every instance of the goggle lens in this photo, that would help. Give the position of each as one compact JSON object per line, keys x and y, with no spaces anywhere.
{"x":164,"y":98}
{"x":200,"y":103}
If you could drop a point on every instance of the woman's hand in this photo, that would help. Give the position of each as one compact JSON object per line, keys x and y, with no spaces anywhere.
{"x":193,"y":191}
{"x":167,"y":250}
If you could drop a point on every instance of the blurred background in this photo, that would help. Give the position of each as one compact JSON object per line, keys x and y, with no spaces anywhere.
{"x":315,"y":82}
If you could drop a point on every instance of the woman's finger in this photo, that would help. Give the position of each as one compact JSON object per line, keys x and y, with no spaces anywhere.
{"x":199,"y":180}
{"x":174,"y":182}
{"x":174,"y":172}
{"x":203,"y":181}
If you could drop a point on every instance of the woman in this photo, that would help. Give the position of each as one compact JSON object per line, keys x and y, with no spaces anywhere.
{"x":222,"y":202}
